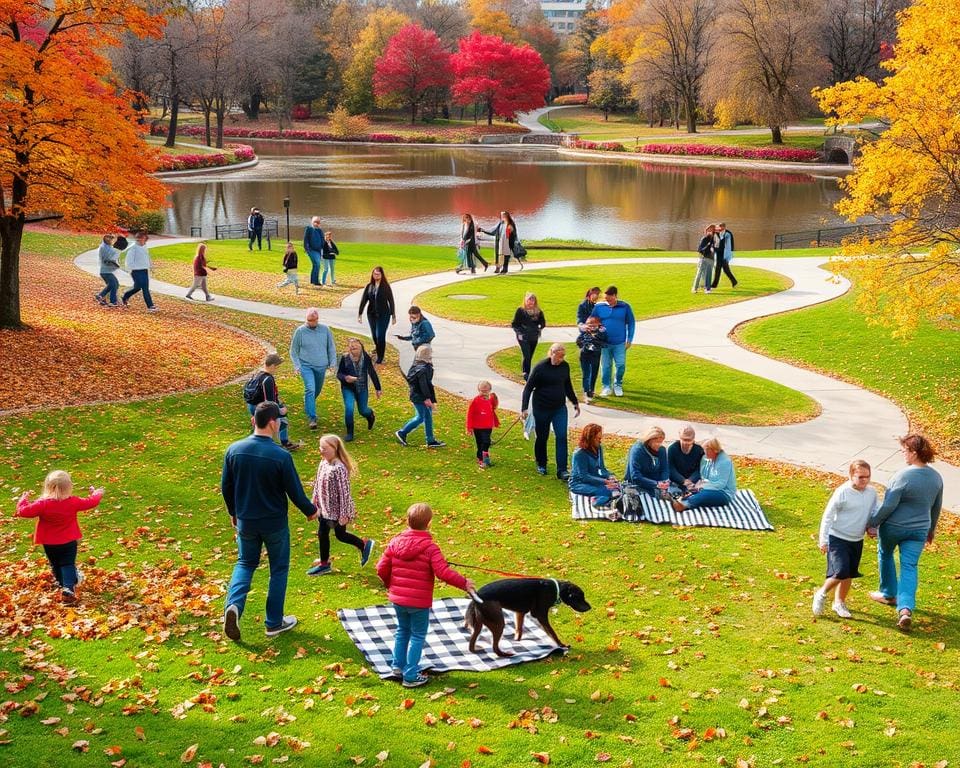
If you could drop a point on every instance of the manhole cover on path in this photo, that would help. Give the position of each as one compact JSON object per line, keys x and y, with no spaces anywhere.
{"x":467,"y":296}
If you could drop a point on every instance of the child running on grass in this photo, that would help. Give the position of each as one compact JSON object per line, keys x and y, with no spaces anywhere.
{"x":331,"y":494}
{"x":290,"y":270}
{"x":481,"y":420}
{"x":407,"y":568}
{"x":841,"y":537}
{"x":57,"y":527}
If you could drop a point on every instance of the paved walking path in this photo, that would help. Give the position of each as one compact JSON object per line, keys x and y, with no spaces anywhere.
{"x":853,"y":422}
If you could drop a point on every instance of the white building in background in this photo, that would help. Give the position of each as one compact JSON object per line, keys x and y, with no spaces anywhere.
{"x":563,"y":15}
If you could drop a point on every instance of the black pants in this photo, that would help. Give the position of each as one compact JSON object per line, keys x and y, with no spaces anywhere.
{"x":341,"y":533}
{"x":527,"y":347}
{"x":474,"y":254}
{"x":63,"y":563}
{"x":482,"y":436}
{"x":590,"y":368}
{"x":722,"y":265}
{"x":506,"y":262}
{"x":255,"y":234}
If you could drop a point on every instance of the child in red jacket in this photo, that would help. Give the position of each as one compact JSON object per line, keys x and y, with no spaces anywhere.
{"x":407,"y":569}
{"x":481,"y":419}
{"x":57,"y":528}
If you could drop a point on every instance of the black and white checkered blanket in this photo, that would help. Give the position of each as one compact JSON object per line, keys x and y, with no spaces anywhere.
{"x":372,"y":630}
{"x":744,"y":513}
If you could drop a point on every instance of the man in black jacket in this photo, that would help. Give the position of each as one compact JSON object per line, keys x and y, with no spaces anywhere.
{"x":255,"y":228}
{"x":550,"y":386}
{"x":724,"y":255}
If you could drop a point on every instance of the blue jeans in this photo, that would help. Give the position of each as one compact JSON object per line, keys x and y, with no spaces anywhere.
{"x":589,"y":367}
{"x":328,"y":265}
{"x":423,"y":416}
{"x":353,"y":399}
{"x":312,"y":387}
{"x":314,"y":257}
{"x":615,"y":353}
{"x":706,"y":498}
{"x":378,"y":332}
{"x":63,"y":563}
{"x":141,"y":282}
{"x":412,"y":626}
{"x":112,"y":285}
{"x":249,"y":546}
{"x":543,"y":420}
{"x":599,"y":493}
{"x":284,"y":424}
{"x":910,"y":541}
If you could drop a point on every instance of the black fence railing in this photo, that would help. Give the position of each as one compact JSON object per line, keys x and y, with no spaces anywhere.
{"x":271,"y":229}
{"x":814,"y":238}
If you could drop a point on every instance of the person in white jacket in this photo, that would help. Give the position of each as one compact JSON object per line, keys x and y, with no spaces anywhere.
{"x":137,"y":263}
{"x":842,"y":529}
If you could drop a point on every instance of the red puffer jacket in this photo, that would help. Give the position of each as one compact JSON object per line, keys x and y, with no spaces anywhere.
{"x":408,"y":566}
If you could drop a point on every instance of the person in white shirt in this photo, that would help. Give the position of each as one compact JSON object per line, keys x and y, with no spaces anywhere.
{"x":842,"y":529}
{"x":137,"y":262}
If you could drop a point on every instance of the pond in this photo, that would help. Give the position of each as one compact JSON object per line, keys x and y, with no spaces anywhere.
{"x":416,"y":195}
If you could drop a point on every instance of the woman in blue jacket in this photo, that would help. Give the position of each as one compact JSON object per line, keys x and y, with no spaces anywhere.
{"x":718,"y":480}
{"x":589,"y":476}
{"x":647,"y":465}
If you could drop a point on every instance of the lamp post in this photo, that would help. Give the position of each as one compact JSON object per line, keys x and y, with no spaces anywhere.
{"x":286,"y":206}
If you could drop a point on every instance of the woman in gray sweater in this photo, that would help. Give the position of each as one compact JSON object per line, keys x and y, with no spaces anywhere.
{"x":907,"y":520}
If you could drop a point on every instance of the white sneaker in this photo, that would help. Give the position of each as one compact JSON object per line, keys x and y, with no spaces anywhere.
{"x":840,"y":608}
{"x":819,"y":601}
{"x":79,"y":575}
{"x":618,"y":390}
{"x":526,"y":435}
{"x":605,"y":392}
{"x":586,"y":399}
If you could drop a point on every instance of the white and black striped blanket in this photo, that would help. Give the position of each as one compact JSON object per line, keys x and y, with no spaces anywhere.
{"x":744,"y":513}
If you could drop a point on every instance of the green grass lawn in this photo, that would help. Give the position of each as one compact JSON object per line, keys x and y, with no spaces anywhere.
{"x":921,"y":373}
{"x":192,"y":146}
{"x":650,"y":289}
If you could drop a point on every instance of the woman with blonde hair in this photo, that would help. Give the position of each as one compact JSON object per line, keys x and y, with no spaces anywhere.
{"x":647,"y":464}
{"x":528,"y":322}
{"x":718,"y":480}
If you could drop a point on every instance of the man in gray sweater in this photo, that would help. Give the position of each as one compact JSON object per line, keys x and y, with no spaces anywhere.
{"x":312,"y":353}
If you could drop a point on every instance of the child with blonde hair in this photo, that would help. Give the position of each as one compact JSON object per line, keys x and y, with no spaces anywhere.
{"x":57,"y":528}
{"x":331,"y":494}
{"x":408,"y":567}
{"x":481,"y":420}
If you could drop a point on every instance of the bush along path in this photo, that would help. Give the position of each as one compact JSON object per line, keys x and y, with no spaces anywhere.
{"x":853,"y":422}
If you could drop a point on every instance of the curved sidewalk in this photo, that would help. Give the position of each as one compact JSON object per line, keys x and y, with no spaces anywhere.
{"x":853,"y":423}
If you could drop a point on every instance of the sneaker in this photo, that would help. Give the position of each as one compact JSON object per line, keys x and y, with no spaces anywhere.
{"x":840,"y":608}
{"x":396,"y":672}
{"x":819,"y":601}
{"x":79,"y":576}
{"x":486,"y":460}
{"x":563,"y":475}
{"x":879,"y":597}
{"x":368,"y":546}
{"x":312,"y":424}
{"x":617,"y":390}
{"x":605,"y":392}
{"x":290,"y":446}
{"x":69,"y":596}
{"x":480,"y":464}
{"x":401,"y":438}
{"x":541,"y":470}
{"x":319,"y":569}
{"x":526,"y":435}
{"x":188,"y":296}
{"x":154,"y":308}
{"x":231,"y":623}
{"x":99,"y":299}
{"x":586,"y":399}
{"x":209,"y":298}
{"x":348,"y":438}
{"x":904,"y":623}
{"x":416,"y":682}
{"x":436,"y":444}
{"x":708,"y":290}
{"x":125,"y":302}
{"x":372,"y":417}
{"x":289,"y":622}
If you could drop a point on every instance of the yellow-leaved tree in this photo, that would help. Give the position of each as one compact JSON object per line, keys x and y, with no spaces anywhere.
{"x":382,"y":24}
{"x":910,"y":175}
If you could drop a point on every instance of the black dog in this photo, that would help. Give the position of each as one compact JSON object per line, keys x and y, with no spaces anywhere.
{"x":523,"y":596}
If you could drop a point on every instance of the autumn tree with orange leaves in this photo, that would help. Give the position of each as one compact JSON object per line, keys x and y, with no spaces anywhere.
{"x":70,"y":146}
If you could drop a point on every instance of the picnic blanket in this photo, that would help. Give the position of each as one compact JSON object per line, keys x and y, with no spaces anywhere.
{"x":743,"y":513}
{"x":372,"y":631}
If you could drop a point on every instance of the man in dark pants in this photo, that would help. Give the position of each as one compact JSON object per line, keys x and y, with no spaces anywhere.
{"x":255,"y":228}
{"x":258,"y":476}
{"x":724,"y":255}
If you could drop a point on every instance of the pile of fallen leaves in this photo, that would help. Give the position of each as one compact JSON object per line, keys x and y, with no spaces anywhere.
{"x":74,"y":351}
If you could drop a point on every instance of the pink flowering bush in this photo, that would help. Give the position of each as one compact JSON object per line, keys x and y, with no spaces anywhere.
{"x":787,"y":154}
{"x":600,"y":146}
{"x":233,"y":153}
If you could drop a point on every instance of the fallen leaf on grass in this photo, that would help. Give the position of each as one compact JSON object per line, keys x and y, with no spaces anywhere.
{"x":541,"y":757}
{"x":189,"y":753}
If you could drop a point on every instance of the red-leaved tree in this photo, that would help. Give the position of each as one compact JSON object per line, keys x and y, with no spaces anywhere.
{"x":414,"y":62}
{"x":506,"y":78}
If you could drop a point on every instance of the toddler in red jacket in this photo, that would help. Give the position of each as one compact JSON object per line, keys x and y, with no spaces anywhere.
{"x":407,"y":569}
{"x":481,"y":420}
{"x":57,"y":527}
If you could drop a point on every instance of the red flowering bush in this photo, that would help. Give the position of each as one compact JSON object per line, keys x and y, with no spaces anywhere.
{"x":234,"y":153}
{"x":570,"y":98}
{"x":787,"y":154}
{"x":600,"y":146}
{"x":300,"y":112}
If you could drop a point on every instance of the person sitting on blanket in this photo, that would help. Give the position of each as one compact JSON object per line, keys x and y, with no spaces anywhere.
{"x":718,"y":480}
{"x":647,"y":466}
{"x":684,"y":458}
{"x":589,"y":476}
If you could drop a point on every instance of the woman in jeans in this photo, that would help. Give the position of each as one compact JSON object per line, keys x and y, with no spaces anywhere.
{"x":528,"y":322}
{"x":907,"y":520}
{"x":355,"y":373}
{"x":718,"y":480}
{"x":378,"y":301}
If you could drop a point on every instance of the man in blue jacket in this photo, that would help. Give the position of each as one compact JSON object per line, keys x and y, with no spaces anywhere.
{"x":313,"y":245}
{"x":312,"y":353}
{"x":258,"y":476}
{"x":617,"y":318}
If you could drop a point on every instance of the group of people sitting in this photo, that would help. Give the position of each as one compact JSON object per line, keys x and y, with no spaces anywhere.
{"x":687,"y":474}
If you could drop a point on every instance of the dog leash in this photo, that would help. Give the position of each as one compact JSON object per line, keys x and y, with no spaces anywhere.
{"x":507,"y":432}
{"x":492,"y":570}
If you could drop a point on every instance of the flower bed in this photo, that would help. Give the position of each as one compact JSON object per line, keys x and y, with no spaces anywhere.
{"x":437,"y":135}
{"x":233,"y":153}
{"x":571,"y":98}
{"x":600,"y":146}
{"x":786,"y":154}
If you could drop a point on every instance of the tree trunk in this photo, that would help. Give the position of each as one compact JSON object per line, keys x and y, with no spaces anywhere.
{"x":777,"y":134}
{"x":490,"y":112}
{"x":11,"y":235}
{"x":206,"y":125}
{"x":172,"y":125}
{"x":220,"y":114}
{"x":691,"y":109}
{"x":413,"y":112}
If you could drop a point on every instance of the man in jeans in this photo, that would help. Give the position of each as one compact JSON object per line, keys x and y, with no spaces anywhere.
{"x":313,"y":246}
{"x":312,"y":352}
{"x":137,"y":262}
{"x":617,"y":317}
{"x":258,"y":476}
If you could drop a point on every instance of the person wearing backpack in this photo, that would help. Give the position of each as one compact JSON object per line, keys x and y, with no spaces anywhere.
{"x":261,"y":388}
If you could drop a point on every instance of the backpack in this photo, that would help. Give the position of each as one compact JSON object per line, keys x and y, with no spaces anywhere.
{"x":628,"y":503}
{"x":253,"y":389}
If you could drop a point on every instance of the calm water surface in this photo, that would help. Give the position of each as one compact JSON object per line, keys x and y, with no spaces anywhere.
{"x":416,"y":195}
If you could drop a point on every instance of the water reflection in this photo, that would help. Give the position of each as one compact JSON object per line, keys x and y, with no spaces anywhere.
{"x":415,"y":195}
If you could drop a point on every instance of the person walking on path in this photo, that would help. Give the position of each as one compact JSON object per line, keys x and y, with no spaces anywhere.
{"x":137,"y":262}
{"x":482,"y":419}
{"x":255,"y":229}
{"x":528,"y":322}
{"x":330,"y":253}
{"x":549,"y":387}
{"x":907,"y":520}
{"x":423,"y":396}
{"x":421,"y":331}
{"x":617,"y":318}
{"x":381,"y":310}
{"x":331,"y":495}
{"x":262,"y":388}
{"x":468,"y":241}
{"x":200,"y":268}
{"x":724,"y":244}
{"x":707,"y":250}
{"x":312,"y":352}
{"x":109,"y":258}
{"x":257,"y":479}
{"x":290,"y":270}
{"x":505,"y":239}
{"x":353,"y":372}
{"x":408,"y":568}
{"x":313,"y":240}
